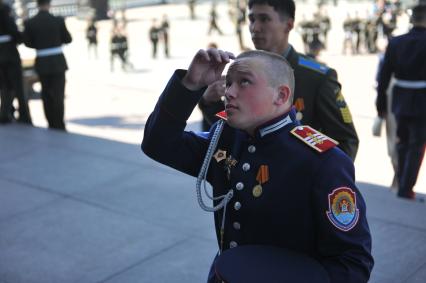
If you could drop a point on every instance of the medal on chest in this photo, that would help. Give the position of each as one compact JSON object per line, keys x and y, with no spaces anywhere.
{"x":261,"y":178}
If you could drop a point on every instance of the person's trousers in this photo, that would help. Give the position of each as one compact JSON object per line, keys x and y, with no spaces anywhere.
{"x":11,"y":86}
{"x":53,"y":95}
{"x":411,"y":133}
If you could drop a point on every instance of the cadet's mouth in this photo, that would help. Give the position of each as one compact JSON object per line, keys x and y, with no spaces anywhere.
{"x":230,"y":107}
{"x":256,"y":39}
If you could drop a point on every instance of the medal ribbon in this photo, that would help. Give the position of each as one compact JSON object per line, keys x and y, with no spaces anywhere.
{"x":262,"y":174}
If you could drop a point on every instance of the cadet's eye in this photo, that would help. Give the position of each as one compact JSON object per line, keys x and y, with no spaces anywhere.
{"x":244,"y":82}
{"x":263,"y":19}
{"x":228,"y":84}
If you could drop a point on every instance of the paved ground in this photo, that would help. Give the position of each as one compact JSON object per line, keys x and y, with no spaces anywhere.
{"x":88,"y":206}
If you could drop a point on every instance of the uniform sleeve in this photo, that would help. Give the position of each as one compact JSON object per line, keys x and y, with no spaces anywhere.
{"x":164,"y":137}
{"x":209,"y":110}
{"x":336,"y":118}
{"x":27,"y":35}
{"x":383,"y":79}
{"x":65,"y":34}
{"x":343,"y":240}
{"x":11,"y":27}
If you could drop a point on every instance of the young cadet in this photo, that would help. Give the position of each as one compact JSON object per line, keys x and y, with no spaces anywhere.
{"x":317,"y":96}
{"x":275,"y":183}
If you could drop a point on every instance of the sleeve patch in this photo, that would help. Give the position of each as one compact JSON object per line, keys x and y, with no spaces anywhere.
{"x":342,"y":210}
{"x":313,"y":138}
{"x":313,"y":65}
{"x":344,"y":109}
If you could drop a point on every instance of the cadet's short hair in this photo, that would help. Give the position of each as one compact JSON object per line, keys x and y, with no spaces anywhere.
{"x":283,"y":7}
{"x":43,"y":2}
{"x":419,"y":14}
{"x":277,"y":69}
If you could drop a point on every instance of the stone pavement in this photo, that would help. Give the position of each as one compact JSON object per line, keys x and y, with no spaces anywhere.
{"x":88,"y":206}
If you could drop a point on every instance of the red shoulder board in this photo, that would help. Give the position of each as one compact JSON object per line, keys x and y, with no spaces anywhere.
{"x":222,"y":115}
{"x":313,"y":138}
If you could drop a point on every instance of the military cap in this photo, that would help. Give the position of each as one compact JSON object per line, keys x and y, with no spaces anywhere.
{"x":256,"y":263}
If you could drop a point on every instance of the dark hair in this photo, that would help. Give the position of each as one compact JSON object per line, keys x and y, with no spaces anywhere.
{"x":419,"y":14}
{"x":43,"y":2}
{"x":284,"y":7}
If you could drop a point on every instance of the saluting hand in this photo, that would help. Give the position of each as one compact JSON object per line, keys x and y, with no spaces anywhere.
{"x":206,"y":67}
{"x":215,"y":91}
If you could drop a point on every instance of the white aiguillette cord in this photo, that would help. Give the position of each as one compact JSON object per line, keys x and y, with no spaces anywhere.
{"x":202,"y":180}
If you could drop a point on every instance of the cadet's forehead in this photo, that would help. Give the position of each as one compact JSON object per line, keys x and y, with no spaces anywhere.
{"x":250,"y":65}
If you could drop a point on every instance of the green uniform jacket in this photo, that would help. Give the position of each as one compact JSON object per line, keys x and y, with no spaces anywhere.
{"x":318,"y":101}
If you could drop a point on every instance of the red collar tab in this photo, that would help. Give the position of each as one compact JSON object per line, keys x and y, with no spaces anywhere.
{"x":222,"y":115}
{"x":313,"y":138}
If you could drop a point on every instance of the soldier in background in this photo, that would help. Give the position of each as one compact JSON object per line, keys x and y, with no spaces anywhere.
{"x":11,"y":81}
{"x":371,"y":34}
{"x":191,"y":5}
{"x":154,"y":35}
{"x":348,"y":41}
{"x":213,"y":21}
{"x":47,"y":33}
{"x":119,"y":48}
{"x":304,"y":31}
{"x":165,"y":26}
{"x":92,"y":37}
{"x":356,"y":31}
{"x":325,"y":26}
{"x":239,"y":22}
{"x":405,"y":59}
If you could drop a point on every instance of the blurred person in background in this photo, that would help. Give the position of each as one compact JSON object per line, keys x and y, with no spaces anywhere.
{"x":154,"y":36}
{"x":47,"y":33}
{"x":165,"y":26}
{"x":405,"y":59}
{"x":92,"y":37}
{"x":11,"y":81}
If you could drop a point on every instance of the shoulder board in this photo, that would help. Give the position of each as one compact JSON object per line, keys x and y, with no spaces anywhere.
{"x":313,"y":138}
{"x":222,"y":115}
{"x":313,"y":65}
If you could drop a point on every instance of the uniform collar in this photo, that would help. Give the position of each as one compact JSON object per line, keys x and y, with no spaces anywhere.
{"x":291,"y":56}
{"x":276,"y":124}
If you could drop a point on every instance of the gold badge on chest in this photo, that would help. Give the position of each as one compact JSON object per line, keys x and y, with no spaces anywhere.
{"x":220,"y":155}
{"x":262,"y":177}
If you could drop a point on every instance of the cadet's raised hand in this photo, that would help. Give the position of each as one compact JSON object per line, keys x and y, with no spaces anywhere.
{"x":206,"y":67}
{"x":215,"y":91}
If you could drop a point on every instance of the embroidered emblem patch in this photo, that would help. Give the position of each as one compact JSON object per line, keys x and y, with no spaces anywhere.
{"x":343,"y":212}
{"x":220,"y":155}
{"x":344,"y":110}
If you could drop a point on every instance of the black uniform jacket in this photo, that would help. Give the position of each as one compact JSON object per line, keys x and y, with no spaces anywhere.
{"x":300,"y":204}
{"x":8,"y":50}
{"x":43,"y":31}
{"x":318,"y":101}
{"x":405,"y":58}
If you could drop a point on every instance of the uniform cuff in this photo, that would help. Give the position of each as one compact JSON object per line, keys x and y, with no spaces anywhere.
{"x":179,"y":101}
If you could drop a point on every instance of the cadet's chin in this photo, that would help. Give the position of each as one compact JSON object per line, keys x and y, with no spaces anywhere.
{"x":231,"y":121}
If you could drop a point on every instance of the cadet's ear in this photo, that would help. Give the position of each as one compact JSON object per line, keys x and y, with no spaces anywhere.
{"x":289,"y":25}
{"x":284,"y":94}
